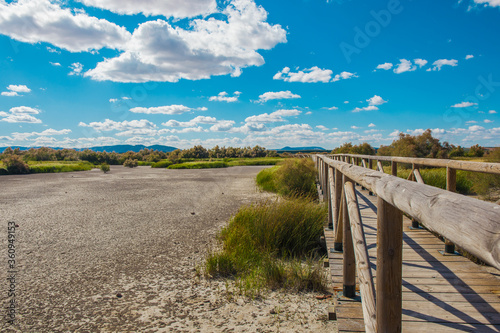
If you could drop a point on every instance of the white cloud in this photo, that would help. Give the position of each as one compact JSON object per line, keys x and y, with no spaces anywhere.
{"x":386,"y":66}
{"x":110,"y":125}
{"x":308,"y":113}
{"x":366,"y":108}
{"x":19,"y":88}
{"x":24,"y":110}
{"x":191,"y":123}
{"x":492,"y":3}
{"x":444,"y":62}
{"x":372,"y":125}
{"x":476,"y":128}
{"x":344,"y":76}
{"x":52,"y":50}
{"x":76,"y":68}
{"x":487,"y":121}
{"x":158,"y":51}
{"x":322,"y":128}
{"x":332,"y":108}
{"x":308,"y":75}
{"x":34,"y":21}
{"x":277,"y":95}
{"x":355,"y":127}
{"x":404,"y":66}
{"x":168,"y":109}
{"x":47,"y":132}
{"x":223,"y":97}
{"x":469,"y":56}
{"x":14,"y":90}
{"x":273,"y":117}
{"x":222,"y":126}
{"x":471,"y":122}
{"x":56,"y":64}
{"x":376,"y":100}
{"x":463,"y":105}
{"x":9,"y":93}
{"x":492,"y":112}
{"x":21,"y":114}
{"x":420,"y":62}
{"x":166,"y":8}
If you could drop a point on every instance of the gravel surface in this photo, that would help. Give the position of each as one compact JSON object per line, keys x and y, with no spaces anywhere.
{"x":117,"y":252}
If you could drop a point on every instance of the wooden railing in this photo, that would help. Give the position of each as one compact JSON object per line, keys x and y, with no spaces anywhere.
{"x":472,"y":224}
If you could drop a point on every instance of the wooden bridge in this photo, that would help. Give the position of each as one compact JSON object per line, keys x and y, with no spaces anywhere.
{"x":388,"y":272}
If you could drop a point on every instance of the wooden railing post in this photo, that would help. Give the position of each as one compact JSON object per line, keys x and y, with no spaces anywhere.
{"x":328,"y":194}
{"x":337,"y":245}
{"x":451,"y":185}
{"x":389,"y":267}
{"x":394,"y":168}
{"x":349,"y":285}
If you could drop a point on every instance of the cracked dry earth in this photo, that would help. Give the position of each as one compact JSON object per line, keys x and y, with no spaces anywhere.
{"x":117,"y":252}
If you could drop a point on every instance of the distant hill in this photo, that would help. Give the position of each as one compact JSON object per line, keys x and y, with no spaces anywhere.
{"x":300,"y":149}
{"x":117,"y":148}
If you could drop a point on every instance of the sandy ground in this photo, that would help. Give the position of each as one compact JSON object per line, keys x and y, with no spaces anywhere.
{"x":117,"y":252}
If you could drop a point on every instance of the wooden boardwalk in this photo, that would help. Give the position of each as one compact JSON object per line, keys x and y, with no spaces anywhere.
{"x":441,"y":293}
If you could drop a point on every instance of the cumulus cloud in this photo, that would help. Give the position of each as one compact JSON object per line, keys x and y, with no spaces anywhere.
{"x":166,"y":8}
{"x":55,"y":64}
{"x":308,"y":75}
{"x":34,"y":21}
{"x":159,"y":51}
{"x":385,"y":66}
{"x":322,"y":128}
{"x":372,"y":125}
{"x":168,"y":109}
{"x":344,"y":76}
{"x":21,"y":114}
{"x":14,"y":90}
{"x":191,"y":123}
{"x":110,"y":125}
{"x":492,"y":3}
{"x":488,"y":121}
{"x":76,"y":68}
{"x":222,"y":126}
{"x":47,"y":132}
{"x":277,"y":95}
{"x":444,"y":62}
{"x":223,"y":97}
{"x":420,"y":62}
{"x":404,"y":66}
{"x":469,"y":56}
{"x":376,"y":100}
{"x":273,"y":117}
{"x":332,"y":108}
{"x":464,"y":105}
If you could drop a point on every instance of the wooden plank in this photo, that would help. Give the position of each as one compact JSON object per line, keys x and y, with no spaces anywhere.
{"x":420,"y":327}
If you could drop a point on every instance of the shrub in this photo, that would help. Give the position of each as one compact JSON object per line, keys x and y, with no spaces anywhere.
{"x":162,"y":164}
{"x":291,"y":177}
{"x":198,"y":165}
{"x":105,"y":167}
{"x":15,"y":165}
{"x":273,"y":243}
{"x":131,"y":163}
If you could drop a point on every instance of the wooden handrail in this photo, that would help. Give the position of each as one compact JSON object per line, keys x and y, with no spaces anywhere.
{"x":472,"y":224}
{"x":365,"y":276}
{"x":485,"y":167}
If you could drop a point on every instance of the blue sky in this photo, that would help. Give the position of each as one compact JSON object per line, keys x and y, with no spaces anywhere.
{"x":242,"y":72}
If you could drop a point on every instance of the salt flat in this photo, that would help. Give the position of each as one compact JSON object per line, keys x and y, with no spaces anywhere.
{"x":116,"y":252}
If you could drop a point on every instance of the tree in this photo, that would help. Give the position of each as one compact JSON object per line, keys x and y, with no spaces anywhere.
{"x":475,"y":151}
{"x":15,"y":165}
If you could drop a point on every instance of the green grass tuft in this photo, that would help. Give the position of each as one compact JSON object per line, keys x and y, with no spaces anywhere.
{"x":272,"y":244}
{"x":291,"y":177}
{"x":162,"y":164}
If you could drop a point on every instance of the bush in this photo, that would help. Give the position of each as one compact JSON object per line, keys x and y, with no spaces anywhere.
{"x":273,"y":243}
{"x":162,"y":164}
{"x":15,"y":165}
{"x":131,"y":163}
{"x":291,"y":177}
{"x":198,"y":165}
{"x":105,"y":167}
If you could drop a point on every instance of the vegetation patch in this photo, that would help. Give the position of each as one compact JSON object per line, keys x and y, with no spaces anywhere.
{"x":131,"y":163}
{"x":273,"y":244}
{"x":292,"y":177}
{"x":162,"y":164}
{"x":55,"y":167}
{"x":198,"y":165}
